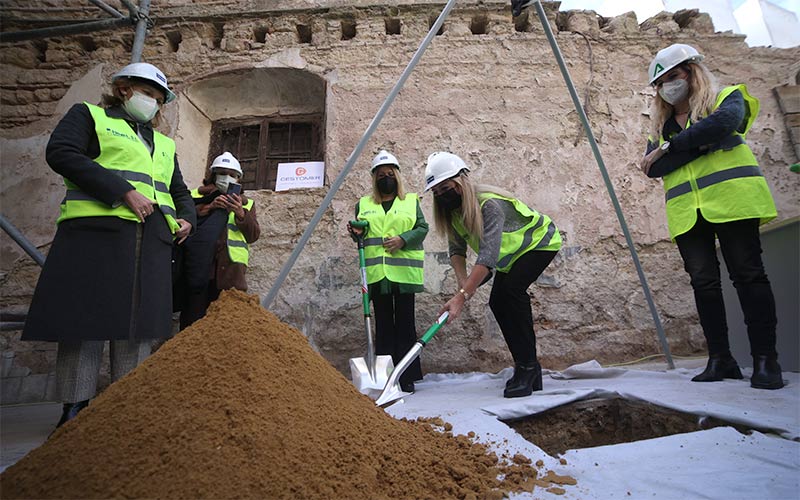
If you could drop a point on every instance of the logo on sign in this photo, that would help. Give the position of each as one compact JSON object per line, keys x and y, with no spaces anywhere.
{"x":300,"y":171}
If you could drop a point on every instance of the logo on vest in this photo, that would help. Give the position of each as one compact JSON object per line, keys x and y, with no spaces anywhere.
{"x":116,"y":133}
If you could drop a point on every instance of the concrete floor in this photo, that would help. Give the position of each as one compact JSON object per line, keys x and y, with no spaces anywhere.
{"x":23,"y":428}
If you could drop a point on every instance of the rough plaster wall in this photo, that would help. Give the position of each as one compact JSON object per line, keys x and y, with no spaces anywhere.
{"x":496,"y":99}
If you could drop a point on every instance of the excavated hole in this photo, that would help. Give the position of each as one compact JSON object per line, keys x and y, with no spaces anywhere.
{"x":599,"y":422}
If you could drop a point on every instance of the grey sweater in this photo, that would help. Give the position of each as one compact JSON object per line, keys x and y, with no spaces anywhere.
{"x":499,"y":216}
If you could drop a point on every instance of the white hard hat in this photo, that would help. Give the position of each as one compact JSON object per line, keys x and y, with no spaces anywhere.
{"x":146,"y":71}
{"x":442,"y":166}
{"x":384,"y":158}
{"x":226,"y":160}
{"x":668,"y":58}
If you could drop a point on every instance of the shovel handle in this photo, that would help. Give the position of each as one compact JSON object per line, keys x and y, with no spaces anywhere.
{"x":434,"y":328}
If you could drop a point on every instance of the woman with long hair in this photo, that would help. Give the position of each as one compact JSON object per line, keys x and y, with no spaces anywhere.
{"x":510,"y":238}
{"x":714,"y":190}
{"x":394,"y":258}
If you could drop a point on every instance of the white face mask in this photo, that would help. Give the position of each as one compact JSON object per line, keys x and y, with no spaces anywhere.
{"x":222,"y":181}
{"x":674,"y":91}
{"x":140,"y":107}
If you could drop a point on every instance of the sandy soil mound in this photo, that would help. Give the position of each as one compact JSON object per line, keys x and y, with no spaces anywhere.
{"x":239,"y":405}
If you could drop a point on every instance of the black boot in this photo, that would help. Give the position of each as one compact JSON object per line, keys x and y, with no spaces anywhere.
{"x":528,"y":380}
{"x":766,"y":372}
{"x":71,"y":411}
{"x":514,"y":378}
{"x":719,"y":366}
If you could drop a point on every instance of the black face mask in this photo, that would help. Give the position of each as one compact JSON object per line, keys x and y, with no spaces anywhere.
{"x":449,"y":200}
{"x":387,"y":185}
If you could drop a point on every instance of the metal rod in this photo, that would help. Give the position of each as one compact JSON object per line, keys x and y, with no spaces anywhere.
{"x":71,"y":29}
{"x":21,"y":240}
{"x":131,"y":7}
{"x":111,"y":10}
{"x":141,"y":31}
{"x":273,"y":292}
{"x":590,"y":135}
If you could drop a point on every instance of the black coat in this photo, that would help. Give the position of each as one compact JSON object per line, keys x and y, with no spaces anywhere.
{"x":92,"y":287}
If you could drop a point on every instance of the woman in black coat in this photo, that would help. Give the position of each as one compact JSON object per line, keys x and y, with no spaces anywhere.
{"x":108,"y":272}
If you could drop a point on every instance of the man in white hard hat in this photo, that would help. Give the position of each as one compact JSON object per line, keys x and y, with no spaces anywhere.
{"x":216,"y":257}
{"x":107,"y":273}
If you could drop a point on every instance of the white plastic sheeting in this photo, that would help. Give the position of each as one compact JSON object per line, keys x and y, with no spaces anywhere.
{"x":715,"y":463}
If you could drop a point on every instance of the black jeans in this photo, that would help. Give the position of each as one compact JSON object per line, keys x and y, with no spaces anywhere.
{"x":396,"y":330}
{"x":511,"y":304}
{"x":741,"y":248}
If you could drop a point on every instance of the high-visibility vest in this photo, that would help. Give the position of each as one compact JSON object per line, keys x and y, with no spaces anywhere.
{"x":238,"y":248}
{"x":725,"y":184}
{"x":122,"y":152}
{"x":404,"y":265}
{"x":540,"y":233}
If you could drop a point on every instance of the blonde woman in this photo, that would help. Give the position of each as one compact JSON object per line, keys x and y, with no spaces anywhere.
{"x":510,"y":238}
{"x":714,"y":190}
{"x":394,"y":258}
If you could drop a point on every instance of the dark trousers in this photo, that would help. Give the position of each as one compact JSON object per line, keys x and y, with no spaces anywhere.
{"x":741,"y":248}
{"x":511,"y":304}
{"x":396,"y":330}
{"x":196,"y":303}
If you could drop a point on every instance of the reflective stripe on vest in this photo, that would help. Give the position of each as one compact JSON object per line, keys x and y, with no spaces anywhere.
{"x":238,"y":248}
{"x":124,"y":154}
{"x":540,"y":233}
{"x":404,"y":265}
{"x":725,"y":183}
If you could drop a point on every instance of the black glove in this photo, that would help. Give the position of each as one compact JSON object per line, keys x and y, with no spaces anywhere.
{"x":517,"y":5}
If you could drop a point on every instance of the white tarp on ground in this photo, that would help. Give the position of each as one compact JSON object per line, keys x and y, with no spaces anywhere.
{"x":715,"y":463}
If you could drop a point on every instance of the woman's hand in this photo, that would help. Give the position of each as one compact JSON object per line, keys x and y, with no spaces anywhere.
{"x":454,"y":306}
{"x":393,"y":244}
{"x":138,"y":203}
{"x":650,"y":158}
{"x":183,"y":231}
{"x":229,"y":203}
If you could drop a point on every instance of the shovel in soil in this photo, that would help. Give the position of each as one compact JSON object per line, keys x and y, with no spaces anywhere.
{"x":392,"y":392}
{"x":370,"y":372}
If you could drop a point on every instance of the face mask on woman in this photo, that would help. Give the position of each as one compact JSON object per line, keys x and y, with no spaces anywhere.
{"x":674,"y":91}
{"x":387,"y":185}
{"x":140,"y":107}
{"x":222,"y":181}
{"x":449,"y":200}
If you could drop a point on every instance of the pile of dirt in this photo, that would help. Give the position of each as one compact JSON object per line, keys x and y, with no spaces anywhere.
{"x":239,"y":405}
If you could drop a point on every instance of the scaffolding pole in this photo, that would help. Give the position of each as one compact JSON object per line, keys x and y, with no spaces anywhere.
{"x":610,"y":187}
{"x":141,"y":29}
{"x":70,"y":29}
{"x":21,"y":240}
{"x":273,"y":292}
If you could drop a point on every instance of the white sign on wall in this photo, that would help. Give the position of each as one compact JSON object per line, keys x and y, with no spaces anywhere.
{"x":307,"y":174}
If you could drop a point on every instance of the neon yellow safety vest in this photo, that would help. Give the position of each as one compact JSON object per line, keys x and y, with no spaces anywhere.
{"x":404,"y":265}
{"x":725,"y":184}
{"x":122,"y":152}
{"x":540,"y":233}
{"x":238,"y":248}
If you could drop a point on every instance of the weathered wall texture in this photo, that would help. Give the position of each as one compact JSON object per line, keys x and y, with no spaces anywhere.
{"x":497,"y":99}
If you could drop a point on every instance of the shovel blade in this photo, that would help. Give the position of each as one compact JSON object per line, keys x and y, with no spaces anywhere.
{"x":363,"y":379}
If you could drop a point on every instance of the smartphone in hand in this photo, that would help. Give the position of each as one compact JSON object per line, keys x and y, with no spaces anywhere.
{"x":234,"y":189}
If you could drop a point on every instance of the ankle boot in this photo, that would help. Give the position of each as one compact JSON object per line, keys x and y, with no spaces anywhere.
{"x":71,"y":411}
{"x":515,"y":377}
{"x":766,"y":372}
{"x":719,"y":366}
{"x":529,"y":380}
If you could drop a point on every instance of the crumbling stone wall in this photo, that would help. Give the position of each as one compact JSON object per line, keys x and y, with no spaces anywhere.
{"x":488,"y":89}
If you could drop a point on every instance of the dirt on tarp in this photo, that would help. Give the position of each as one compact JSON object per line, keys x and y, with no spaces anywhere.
{"x":239,"y":405}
